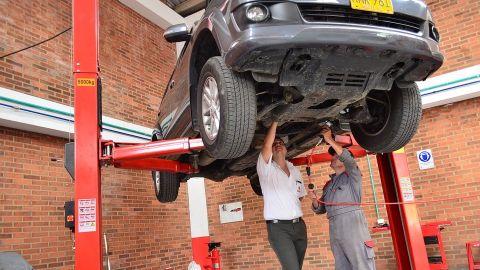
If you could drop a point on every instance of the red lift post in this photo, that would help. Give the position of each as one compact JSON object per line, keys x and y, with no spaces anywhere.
{"x":88,"y":157}
{"x":88,"y":226}
{"x":406,"y":231}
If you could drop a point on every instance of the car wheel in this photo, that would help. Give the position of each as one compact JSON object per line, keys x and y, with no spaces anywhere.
{"x":166,"y":186}
{"x":255,"y":184}
{"x":226,"y":110}
{"x":396,"y":115}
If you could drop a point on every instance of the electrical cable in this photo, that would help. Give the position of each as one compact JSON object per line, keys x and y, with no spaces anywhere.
{"x":311,"y":185}
{"x":36,"y":44}
{"x":396,"y":203}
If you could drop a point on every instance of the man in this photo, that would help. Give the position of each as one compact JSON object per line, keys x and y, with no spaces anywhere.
{"x":350,"y":240}
{"x":282,"y":188}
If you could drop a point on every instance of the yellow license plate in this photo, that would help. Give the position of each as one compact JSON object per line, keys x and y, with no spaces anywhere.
{"x":380,"y":6}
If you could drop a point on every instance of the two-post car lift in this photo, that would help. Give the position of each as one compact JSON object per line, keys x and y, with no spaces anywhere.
{"x":91,"y":153}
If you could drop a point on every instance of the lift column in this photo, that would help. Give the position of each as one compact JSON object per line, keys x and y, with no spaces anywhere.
{"x":88,"y":253}
{"x":405,"y":227}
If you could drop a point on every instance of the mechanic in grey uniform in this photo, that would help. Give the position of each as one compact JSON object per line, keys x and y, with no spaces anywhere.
{"x":282,"y":188}
{"x":13,"y":261}
{"x":350,"y":239}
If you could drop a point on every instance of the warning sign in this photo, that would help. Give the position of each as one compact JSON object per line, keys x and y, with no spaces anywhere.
{"x":425,"y":159}
{"x":87,"y":215}
{"x":407,"y":190}
{"x":86,"y":82}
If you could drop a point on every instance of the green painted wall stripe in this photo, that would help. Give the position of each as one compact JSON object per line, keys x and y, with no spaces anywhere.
{"x":452,"y":82}
{"x":69,"y":115}
{"x":126,"y":129}
{"x":36,"y":106}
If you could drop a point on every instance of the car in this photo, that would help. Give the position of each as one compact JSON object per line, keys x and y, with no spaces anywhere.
{"x":350,"y":63}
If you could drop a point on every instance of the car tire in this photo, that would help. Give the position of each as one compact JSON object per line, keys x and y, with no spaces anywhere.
{"x":227,"y":132}
{"x":166,"y":186}
{"x":255,"y":184}
{"x":396,"y":115}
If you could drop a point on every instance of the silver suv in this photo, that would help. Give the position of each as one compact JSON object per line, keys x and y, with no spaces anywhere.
{"x":352,"y":63}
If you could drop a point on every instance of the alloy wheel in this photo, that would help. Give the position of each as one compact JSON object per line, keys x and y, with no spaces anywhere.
{"x":211,"y":108}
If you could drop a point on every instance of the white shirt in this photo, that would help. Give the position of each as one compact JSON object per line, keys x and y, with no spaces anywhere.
{"x":281,"y":193}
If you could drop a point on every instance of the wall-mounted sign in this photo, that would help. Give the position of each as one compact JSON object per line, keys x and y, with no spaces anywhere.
{"x":406,"y":189}
{"x":231,"y":212}
{"x":425,"y":159}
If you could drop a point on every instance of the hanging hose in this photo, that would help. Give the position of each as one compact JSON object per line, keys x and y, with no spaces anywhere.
{"x":311,"y":185}
{"x":377,"y":211}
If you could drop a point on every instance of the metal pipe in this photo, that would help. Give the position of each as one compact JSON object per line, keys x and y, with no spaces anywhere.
{"x":106,"y":251}
{"x":373,"y":189}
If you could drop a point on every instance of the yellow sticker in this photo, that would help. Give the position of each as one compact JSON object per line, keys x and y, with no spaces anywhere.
{"x":400,"y":151}
{"x":86,"y":82}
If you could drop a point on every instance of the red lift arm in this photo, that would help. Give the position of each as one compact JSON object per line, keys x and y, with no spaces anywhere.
{"x":406,"y":232}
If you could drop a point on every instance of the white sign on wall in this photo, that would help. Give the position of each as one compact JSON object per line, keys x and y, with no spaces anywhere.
{"x":231,"y":212}
{"x":425,"y":159}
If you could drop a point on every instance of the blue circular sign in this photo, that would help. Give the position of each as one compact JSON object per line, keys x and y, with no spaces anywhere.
{"x":424,"y":156}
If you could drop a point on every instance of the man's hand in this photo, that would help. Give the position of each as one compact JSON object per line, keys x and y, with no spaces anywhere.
{"x":274,"y":117}
{"x":313,"y":197}
{"x":327,"y":134}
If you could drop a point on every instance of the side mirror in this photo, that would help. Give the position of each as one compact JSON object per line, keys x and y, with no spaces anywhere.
{"x":177,"y":33}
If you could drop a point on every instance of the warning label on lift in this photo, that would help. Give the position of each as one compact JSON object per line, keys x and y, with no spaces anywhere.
{"x":407,"y":190}
{"x":87,"y":215}
{"x":85,"y":82}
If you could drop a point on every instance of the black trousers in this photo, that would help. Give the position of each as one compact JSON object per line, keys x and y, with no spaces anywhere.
{"x":289,"y":241}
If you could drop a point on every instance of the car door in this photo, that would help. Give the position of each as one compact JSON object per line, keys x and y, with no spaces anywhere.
{"x":174,"y":118}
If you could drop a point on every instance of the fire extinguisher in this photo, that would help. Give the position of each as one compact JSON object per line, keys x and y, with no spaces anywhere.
{"x":214,"y":253}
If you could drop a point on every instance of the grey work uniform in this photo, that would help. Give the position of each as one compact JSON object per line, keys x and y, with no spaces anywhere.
{"x":350,"y":240}
{"x":287,"y":232}
{"x":13,"y":261}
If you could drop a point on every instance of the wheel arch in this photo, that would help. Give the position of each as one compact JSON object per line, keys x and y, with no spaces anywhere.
{"x":205,"y":47}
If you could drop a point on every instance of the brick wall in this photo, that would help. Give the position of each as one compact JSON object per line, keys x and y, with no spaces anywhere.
{"x":457,"y":21}
{"x":143,"y":234}
{"x":136,"y":63}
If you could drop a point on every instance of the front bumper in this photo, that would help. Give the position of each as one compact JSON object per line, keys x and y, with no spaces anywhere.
{"x":309,"y":37}
{"x":265,"y":49}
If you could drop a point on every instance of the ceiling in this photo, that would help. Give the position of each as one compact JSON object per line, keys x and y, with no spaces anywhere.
{"x":185,"y":7}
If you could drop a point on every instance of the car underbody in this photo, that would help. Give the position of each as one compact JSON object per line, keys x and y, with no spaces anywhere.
{"x":306,"y":64}
{"x":313,"y":86}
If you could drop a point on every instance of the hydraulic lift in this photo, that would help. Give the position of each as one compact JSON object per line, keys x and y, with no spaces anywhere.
{"x":91,"y":153}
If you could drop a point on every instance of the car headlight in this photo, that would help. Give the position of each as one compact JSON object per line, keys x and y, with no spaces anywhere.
{"x":434,"y":34}
{"x":257,"y":13}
